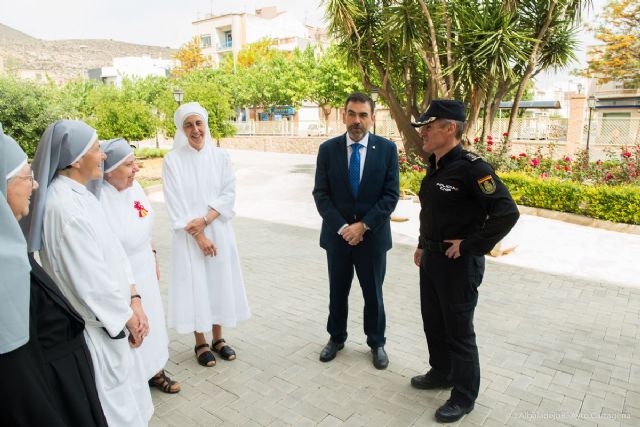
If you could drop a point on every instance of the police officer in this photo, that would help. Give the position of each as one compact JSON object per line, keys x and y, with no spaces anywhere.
{"x":466,"y":210}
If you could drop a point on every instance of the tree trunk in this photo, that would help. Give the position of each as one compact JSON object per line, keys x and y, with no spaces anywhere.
{"x":410,"y":137}
{"x":533,"y":59}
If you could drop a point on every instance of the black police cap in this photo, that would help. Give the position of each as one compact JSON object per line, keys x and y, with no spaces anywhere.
{"x":442,"y":109}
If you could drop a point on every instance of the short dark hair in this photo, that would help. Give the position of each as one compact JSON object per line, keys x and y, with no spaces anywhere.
{"x":360,"y":97}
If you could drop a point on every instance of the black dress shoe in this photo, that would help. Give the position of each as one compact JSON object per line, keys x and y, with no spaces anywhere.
{"x":430,"y":381}
{"x":380,"y":359}
{"x":451,"y":412}
{"x":330,"y":350}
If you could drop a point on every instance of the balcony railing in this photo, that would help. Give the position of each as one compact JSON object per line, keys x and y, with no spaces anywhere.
{"x":225,"y":45}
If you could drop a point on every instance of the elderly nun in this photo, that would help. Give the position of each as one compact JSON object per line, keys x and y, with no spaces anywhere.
{"x":130,"y":216}
{"x":87,"y":262}
{"x":206,"y":288}
{"x":50,"y":379}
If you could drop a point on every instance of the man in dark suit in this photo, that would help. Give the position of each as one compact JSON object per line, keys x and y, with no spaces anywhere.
{"x":356,"y":189}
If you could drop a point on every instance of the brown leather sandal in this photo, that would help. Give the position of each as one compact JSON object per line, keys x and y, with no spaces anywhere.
{"x":164,"y":383}
{"x":206,"y":358}
{"x":225,"y":351}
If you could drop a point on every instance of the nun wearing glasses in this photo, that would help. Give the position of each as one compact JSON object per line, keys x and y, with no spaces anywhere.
{"x":44,"y":361}
{"x":87,"y":262}
{"x":130,"y":216}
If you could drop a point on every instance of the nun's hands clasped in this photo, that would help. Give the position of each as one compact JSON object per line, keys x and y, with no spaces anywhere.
{"x":195,"y":226}
{"x":206,"y":246}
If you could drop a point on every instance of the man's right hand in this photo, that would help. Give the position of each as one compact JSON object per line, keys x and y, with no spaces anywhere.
{"x":417,"y":257}
{"x":206,"y":246}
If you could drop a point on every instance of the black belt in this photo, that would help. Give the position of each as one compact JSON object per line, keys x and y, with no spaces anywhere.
{"x":433,"y":246}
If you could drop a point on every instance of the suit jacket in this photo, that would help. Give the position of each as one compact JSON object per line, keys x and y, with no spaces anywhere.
{"x":377,"y":196}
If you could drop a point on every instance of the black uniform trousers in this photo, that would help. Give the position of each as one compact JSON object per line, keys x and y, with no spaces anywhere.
{"x":370,"y":269}
{"x":448,"y":298}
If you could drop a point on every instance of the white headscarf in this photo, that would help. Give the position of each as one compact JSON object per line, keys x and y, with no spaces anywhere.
{"x":14,"y":264}
{"x":62,"y":144}
{"x":181,"y":114}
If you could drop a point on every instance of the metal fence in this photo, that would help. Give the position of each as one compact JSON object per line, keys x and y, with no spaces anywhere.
{"x":612,"y":131}
{"x":541,"y":128}
{"x":528,"y":129}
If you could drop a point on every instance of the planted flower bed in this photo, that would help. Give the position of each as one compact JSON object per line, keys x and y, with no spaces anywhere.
{"x":608,"y":189}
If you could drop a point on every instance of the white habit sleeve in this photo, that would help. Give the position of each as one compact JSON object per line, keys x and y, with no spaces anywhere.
{"x":226,"y":197}
{"x":176,"y":206}
{"x":82,"y":261}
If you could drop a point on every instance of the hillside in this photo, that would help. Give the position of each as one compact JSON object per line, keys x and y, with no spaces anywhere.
{"x":66,"y":59}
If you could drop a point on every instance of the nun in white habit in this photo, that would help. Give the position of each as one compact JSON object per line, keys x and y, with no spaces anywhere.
{"x":130,"y":215}
{"x":87,"y":262}
{"x":206,"y":288}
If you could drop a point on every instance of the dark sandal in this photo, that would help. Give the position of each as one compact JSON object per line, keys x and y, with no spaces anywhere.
{"x":164,"y":383}
{"x":225,"y":351}
{"x":206,"y":357}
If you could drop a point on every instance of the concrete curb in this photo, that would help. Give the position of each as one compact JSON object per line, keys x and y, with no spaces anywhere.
{"x":581,"y":220}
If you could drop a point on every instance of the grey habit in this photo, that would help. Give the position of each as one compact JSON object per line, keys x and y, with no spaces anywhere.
{"x":14,"y":264}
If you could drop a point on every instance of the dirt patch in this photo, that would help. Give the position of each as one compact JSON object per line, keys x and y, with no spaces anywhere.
{"x":150,"y":169}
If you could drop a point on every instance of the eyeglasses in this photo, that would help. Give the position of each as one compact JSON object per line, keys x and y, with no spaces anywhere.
{"x":29,"y":177}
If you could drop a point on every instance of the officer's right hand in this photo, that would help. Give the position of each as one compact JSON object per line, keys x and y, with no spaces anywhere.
{"x":417,"y":257}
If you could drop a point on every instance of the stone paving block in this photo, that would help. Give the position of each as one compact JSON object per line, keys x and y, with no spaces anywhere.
{"x":546,"y":338}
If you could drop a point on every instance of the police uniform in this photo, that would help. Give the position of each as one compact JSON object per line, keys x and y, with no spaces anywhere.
{"x":461,"y":198}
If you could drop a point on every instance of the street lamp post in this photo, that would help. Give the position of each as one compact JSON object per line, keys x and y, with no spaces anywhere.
{"x":178,"y":94}
{"x":591,"y":103}
{"x":374,"y":96}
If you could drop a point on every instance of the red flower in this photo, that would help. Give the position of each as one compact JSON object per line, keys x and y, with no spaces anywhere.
{"x":489,"y":141}
{"x":415,"y":167}
{"x":626,"y":154}
{"x":598,"y":162}
{"x":567,"y":159}
{"x":489,"y":148}
{"x":544,"y":175}
{"x":489,"y":137}
{"x":608,"y":177}
{"x":535,"y":162}
{"x":505,"y":134}
{"x":513,"y":157}
{"x":558,"y":167}
{"x":566,"y":168}
{"x":522,"y":154}
{"x":403,"y":159}
{"x":476,"y":139}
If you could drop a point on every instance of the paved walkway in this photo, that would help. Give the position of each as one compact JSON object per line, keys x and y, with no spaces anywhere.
{"x":555,"y":350}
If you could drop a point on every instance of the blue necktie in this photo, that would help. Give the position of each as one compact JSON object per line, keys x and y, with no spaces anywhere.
{"x":354,"y":169}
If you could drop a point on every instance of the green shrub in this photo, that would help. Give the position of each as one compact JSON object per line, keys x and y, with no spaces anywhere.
{"x":410,"y":180}
{"x":617,"y":204}
{"x":150,"y":153}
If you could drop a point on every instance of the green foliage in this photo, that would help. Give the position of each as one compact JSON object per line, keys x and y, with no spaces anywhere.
{"x":618,"y":204}
{"x":150,"y":153}
{"x":410,"y":181}
{"x":26,"y":109}
{"x":115,"y":115}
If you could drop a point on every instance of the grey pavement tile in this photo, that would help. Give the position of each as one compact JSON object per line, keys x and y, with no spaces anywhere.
{"x":548,"y":344}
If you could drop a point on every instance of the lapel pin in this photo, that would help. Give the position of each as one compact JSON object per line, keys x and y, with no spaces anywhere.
{"x":374,"y":147}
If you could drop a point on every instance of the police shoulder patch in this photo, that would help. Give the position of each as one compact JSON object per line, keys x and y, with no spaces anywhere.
{"x":471,"y":157}
{"x":487,"y":184}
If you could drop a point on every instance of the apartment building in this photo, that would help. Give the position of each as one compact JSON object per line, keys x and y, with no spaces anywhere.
{"x":226,"y":34}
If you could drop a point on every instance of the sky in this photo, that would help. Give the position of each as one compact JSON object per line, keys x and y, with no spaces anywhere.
{"x":168,"y":22}
{"x":152,"y":22}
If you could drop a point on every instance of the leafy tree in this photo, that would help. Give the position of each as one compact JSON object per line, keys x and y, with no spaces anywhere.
{"x":332,"y":80}
{"x":190,"y":57}
{"x":26,"y":109}
{"x":474,"y":50}
{"x":619,"y":56}
{"x":115,"y":115}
